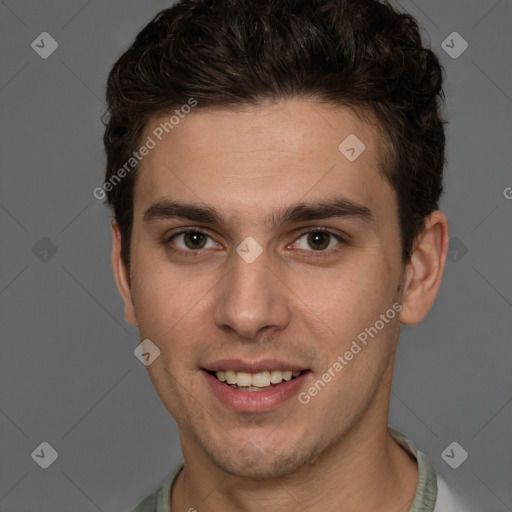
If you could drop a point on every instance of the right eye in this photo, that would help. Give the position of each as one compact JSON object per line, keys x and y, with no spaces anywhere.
{"x":190,"y":240}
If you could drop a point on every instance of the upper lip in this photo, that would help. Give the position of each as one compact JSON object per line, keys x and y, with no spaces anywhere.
{"x":239,"y":365}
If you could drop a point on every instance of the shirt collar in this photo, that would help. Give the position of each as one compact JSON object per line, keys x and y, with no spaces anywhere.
{"x":426,"y":490}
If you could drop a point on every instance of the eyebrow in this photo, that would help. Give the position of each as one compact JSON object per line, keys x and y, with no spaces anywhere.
{"x":297,"y":212}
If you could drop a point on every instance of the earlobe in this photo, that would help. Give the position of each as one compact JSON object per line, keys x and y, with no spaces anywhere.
{"x":122,"y":276}
{"x":424,"y":271}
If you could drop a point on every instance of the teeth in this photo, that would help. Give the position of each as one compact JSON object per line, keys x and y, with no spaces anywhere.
{"x":231,"y":377}
{"x":243,"y":379}
{"x":276,"y":376}
{"x":258,"y":380}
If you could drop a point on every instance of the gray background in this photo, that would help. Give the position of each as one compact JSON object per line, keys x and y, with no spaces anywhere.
{"x":68,"y":375}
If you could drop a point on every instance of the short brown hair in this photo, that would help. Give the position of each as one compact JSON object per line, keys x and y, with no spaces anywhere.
{"x":360,"y":53}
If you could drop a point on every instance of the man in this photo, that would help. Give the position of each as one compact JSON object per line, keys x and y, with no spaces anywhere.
{"x":275,"y":168}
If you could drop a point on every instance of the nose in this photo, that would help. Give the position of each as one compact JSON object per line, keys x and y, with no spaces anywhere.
{"x":252,"y":298}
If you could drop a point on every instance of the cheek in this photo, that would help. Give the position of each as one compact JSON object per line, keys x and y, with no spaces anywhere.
{"x":346,"y":304}
{"x":171,"y":306}
{"x":358,"y":289}
{"x":159,"y":299}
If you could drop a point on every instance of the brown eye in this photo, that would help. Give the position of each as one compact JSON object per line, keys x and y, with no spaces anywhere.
{"x":191,"y":240}
{"x":194,"y":239}
{"x":317,"y":240}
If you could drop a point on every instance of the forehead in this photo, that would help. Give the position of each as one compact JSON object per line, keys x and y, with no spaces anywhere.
{"x":251,"y":157}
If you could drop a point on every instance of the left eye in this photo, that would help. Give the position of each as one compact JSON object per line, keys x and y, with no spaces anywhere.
{"x":318,"y":240}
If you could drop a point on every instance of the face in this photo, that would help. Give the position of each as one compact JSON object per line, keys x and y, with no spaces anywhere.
{"x":287,"y":251}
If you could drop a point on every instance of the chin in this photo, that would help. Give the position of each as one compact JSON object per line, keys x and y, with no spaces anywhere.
{"x":249,"y":461}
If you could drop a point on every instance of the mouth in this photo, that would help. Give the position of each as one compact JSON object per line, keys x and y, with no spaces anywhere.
{"x":254,"y":386}
{"x":259,"y":381}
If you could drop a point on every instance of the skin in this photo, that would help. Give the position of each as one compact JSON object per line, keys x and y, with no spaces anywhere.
{"x":334,"y":453}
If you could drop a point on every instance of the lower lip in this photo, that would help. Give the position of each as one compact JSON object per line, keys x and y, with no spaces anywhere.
{"x":255,"y":401}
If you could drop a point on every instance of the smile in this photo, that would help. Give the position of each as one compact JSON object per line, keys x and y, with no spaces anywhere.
{"x":254,"y":381}
{"x":254,"y":387}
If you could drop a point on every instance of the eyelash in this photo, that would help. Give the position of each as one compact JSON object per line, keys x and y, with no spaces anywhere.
{"x":315,"y":254}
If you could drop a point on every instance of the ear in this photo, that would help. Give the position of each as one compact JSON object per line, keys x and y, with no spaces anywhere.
{"x":122,"y":276}
{"x":424,"y":271}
